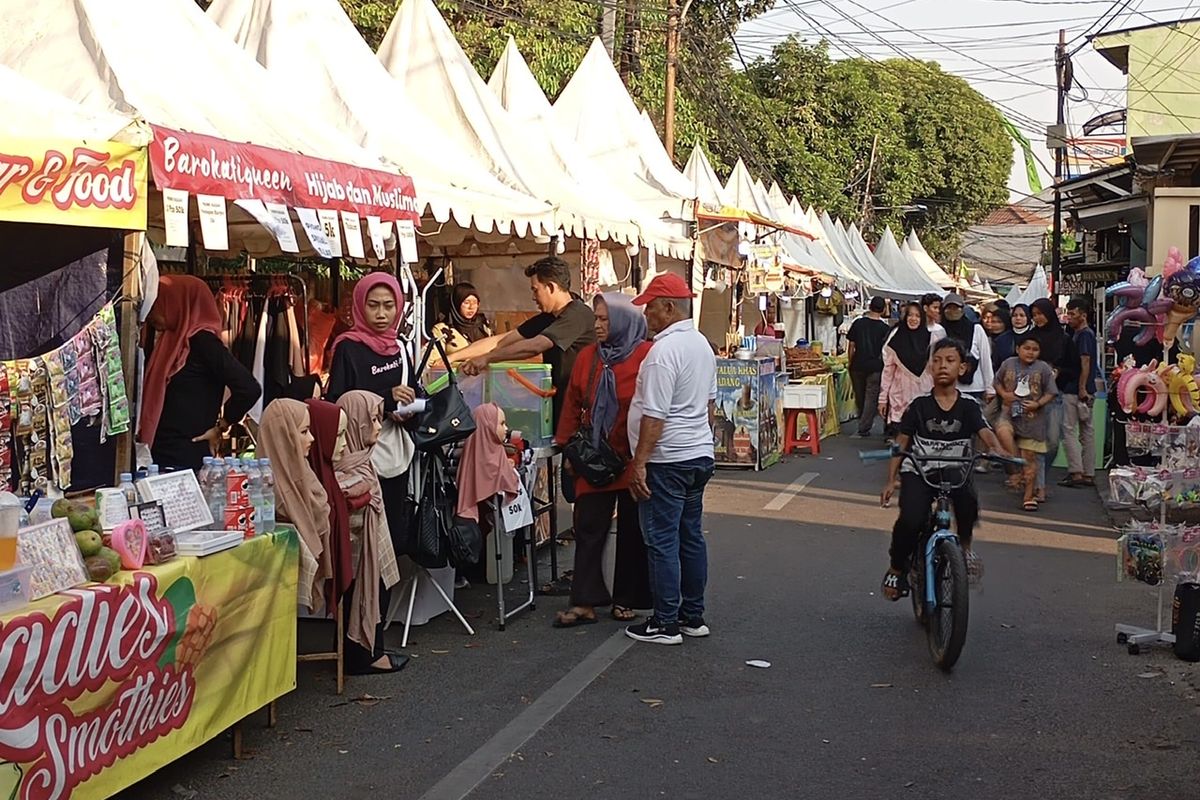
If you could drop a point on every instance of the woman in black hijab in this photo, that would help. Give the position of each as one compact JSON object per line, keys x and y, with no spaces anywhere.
{"x":1051,"y":336}
{"x":905,"y":358}
{"x":998,"y":324}
{"x":465,"y":323}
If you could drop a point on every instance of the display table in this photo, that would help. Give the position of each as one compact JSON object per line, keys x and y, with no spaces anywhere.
{"x":830,"y":426}
{"x":847,"y":408}
{"x":103,"y":685}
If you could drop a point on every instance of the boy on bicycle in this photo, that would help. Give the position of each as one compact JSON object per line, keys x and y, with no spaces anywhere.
{"x":941,"y":423}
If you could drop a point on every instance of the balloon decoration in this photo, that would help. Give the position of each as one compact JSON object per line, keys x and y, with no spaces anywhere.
{"x":1161,"y":306}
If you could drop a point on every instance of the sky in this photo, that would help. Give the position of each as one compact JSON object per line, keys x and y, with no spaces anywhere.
{"x":1004,"y":48}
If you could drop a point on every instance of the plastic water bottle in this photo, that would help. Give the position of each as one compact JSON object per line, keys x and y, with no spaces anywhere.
{"x":267,"y":489}
{"x":254,"y":491}
{"x":128,"y":489}
{"x":204,"y":477}
{"x":232,"y":472}
{"x":152,"y":470}
{"x":216,"y":493}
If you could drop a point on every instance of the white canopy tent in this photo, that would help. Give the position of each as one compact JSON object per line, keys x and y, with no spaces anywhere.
{"x":917,"y":252}
{"x":519,"y":93}
{"x":34,"y":112}
{"x":596,"y":111}
{"x":312,"y":43}
{"x":202,"y":83}
{"x":422,"y":53}
{"x":906,"y":273}
{"x":705,"y":186}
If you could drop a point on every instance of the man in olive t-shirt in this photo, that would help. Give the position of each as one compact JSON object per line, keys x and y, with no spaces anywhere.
{"x":564,"y":327}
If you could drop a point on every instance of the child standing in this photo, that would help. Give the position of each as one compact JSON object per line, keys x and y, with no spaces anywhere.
{"x":1026,"y":386}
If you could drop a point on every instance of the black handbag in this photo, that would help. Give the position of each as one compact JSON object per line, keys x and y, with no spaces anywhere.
{"x":598,"y":464}
{"x":447,"y":418}
{"x":466,"y":542}
{"x":432,"y":515}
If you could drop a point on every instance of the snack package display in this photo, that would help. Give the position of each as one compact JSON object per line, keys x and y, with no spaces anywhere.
{"x":1140,"y":558}
{"x":41,"y":398}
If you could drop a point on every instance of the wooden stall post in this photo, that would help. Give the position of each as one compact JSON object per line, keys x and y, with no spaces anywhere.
{"x":131,"y":302}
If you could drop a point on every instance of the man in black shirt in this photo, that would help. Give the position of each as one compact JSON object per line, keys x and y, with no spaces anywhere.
{"x":564,"y":327}
{"x":865,"y":351}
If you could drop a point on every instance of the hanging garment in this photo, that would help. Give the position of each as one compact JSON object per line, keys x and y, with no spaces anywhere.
{"x":259,"y":352}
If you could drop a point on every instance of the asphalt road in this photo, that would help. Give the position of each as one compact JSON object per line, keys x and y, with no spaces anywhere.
{"x":1043,"y":702}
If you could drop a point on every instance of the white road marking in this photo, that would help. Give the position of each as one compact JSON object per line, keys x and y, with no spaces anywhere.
{"x":463,"y":779}
{"x":793,"y":489}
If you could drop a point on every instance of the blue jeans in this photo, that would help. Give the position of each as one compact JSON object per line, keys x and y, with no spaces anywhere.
{"x":672,"y":529}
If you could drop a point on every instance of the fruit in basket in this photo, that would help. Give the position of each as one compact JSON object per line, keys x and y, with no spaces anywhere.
{"x":62,"y":508}
{"x":98,"y":568}
{"x":198,"y":633}
{"x":88,"y":542}
{"x":112,"y":557}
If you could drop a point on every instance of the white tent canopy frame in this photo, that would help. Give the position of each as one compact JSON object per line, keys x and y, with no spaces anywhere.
{"x":314,"y":44}
{"x":421,"y":52}
{"x":519,"y":93}
{"x":205,"y":84}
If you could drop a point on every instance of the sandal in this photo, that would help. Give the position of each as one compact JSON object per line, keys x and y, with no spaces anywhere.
{"x":1074,"y":483}
{"x":623,"y":614}
{"x":1030,"y":506}
{"x":895,"y":585}
{"x":572,"y":619}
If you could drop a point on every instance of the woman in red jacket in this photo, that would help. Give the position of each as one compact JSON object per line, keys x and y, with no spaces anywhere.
{"x":600,"y":391}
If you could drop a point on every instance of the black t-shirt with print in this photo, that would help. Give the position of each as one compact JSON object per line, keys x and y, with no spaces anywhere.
{"x":936,"y":431}
{"x":573,"y":329}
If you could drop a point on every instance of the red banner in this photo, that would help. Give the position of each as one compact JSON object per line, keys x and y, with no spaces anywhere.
{"x":202,"y":164}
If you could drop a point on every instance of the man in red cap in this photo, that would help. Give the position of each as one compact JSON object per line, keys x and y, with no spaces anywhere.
{"x":670,"y":432}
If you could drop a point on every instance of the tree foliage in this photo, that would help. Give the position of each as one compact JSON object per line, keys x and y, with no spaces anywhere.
{"x":942,"y":157}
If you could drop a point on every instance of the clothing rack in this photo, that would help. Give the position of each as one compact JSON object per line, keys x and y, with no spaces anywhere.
{"x":263,"y":285}
{"x":528,"y":474}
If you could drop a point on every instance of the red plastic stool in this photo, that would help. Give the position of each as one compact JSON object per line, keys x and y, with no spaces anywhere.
{"x":812,"y":441}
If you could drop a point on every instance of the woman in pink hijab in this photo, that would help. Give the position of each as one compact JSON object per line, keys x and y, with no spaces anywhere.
{"x":371,"y":357}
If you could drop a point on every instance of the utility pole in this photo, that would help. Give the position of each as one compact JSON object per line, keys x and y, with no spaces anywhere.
{"x":608,"y":26}
{"x":1063,"y":74}
{"x":669,"y":93}
{"x":631,"y":34}
{"x":866,"y":205}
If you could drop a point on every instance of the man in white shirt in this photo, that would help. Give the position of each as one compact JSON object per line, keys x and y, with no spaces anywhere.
{"x":670,"y":432}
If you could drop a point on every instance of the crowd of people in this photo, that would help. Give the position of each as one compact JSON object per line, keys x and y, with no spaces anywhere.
{"x":1033,"y":375}
{"x":632,"y":374}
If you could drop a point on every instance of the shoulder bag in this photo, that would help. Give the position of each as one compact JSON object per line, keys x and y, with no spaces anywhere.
{"x":600,"y":465}
{"x":447,"y":417}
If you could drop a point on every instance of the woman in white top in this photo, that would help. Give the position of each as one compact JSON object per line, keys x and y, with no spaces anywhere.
{"x":978,"y":381}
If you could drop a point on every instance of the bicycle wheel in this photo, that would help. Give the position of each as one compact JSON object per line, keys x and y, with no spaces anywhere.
{"x":948,"y":622}
{"x":916,"y":591}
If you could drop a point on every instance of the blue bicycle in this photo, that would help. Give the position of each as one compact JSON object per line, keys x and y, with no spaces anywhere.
{"x":938,"y":582}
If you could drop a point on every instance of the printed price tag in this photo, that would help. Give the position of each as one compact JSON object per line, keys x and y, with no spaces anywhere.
{"x":518,"y":513}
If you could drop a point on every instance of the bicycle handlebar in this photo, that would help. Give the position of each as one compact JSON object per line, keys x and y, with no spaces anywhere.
{"x":895,"y":452}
